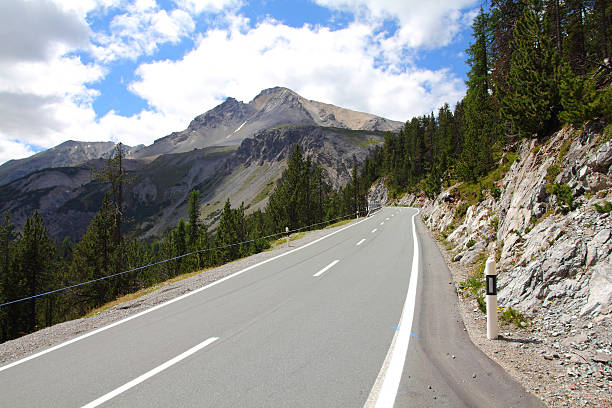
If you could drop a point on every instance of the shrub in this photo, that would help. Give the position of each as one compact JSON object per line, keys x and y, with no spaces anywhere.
{"x":471,"y":243}
{"x":462,"y":210}
{"x":481,"y":303}
{"x":563,"y":192}
{"x":564,"y":149}
{"x":605,"y":208}
{"x":472,"y":285}
{"x":496,"y":192}
{"x":552,"y":172}
{"x":495,"y":223}
{"x":513,"y":316}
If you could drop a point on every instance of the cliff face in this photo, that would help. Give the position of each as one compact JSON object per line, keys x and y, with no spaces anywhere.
{"x":546,"y":222}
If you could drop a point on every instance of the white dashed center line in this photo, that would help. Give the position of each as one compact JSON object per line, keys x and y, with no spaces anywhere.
{"x":322,"y":271}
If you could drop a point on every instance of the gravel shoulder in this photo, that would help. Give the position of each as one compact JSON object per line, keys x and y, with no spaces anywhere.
{"x":563,"y":359}
{"x":48,"y":337}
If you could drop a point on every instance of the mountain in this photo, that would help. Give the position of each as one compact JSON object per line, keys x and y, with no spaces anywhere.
{"x":245,"y":167}
{"x":233,"y":121}
{"x":67,"y":154}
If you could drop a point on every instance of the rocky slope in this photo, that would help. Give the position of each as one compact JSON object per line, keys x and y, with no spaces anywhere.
{"x":233,"y":121}
{"x":550,"y":256}
{"x":156,"y":198}
{"x":67,"y":154}
{"x":554,"y":251}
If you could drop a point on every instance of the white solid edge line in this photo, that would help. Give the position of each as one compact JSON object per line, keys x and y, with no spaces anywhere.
{"x":193,"y":292}
{"x":374,"y":230}
{"x":361,"y":242}
{"x":322,"y":271}
{"x":149,"y":374}
{"x":385,"y":388}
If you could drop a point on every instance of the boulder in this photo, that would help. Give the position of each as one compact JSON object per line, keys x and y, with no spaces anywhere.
{"x":601,"y":160}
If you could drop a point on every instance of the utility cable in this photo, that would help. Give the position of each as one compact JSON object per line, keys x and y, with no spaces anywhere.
{"x":170,"y":259}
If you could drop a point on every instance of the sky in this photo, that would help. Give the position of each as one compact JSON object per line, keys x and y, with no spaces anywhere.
{"x":134,"y":71}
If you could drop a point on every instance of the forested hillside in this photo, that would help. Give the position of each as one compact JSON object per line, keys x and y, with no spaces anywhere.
{"x":534,"y":66}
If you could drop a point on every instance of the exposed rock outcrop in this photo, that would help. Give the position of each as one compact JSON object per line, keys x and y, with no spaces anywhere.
{"x":554,"y":252}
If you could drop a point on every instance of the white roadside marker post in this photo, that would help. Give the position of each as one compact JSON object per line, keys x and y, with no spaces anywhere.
{"x":491,"y":287}
{"x":287,"y":231}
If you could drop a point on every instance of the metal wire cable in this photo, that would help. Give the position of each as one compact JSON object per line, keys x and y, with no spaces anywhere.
{"x":168,"y":260}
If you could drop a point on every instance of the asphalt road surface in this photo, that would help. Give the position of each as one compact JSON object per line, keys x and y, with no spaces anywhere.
{"x":357,"y":318}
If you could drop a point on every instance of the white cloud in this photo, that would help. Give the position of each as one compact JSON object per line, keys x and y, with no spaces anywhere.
{"x":13,"y":150}
{"x":200,"y":6}
{"x":422,"y":24}
{"x":140,"y":31}
{"x":330,"y":66}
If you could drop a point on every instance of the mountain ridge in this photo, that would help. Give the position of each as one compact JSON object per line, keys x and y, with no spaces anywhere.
{"x":232,"y":121}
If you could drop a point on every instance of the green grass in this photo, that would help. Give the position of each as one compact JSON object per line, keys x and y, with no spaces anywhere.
{"x":481,"y":303}
{"x":564,"y":149}
{"x":563,"y":192}
{"x":144,"y":291}
{"x":263,"y":193}
{"x":552,"y":172}
{"x":472,"y":193}
{"x":472,"y":285}
{"x":513,"y":316}
{"x":339,"y":223}
{"x":605,"y":208}
{"x":495,"y":223}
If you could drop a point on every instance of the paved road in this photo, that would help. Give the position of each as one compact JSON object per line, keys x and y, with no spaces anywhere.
{"x":277,"y":335}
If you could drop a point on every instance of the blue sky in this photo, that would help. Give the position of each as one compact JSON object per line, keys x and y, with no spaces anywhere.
{"x":134,"y":71}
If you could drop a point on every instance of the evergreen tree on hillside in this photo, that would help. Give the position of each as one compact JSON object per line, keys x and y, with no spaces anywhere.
{"x":231,"y":231}
{"x":95,"y":256}
{"x":532,"y":103}
{"x":194,"y":216}
{"x":179,"y":246}
{"x":7,"y":234}
{"x":480,"y":114}
{"x":114,"y":173}
{"x":34,"y":255}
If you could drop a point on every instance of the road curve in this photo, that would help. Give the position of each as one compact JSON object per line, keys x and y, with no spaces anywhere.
{"x":312,"y":328}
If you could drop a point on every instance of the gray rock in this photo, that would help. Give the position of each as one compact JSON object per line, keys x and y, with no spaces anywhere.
{"x":600,"y":161}
{"x":472,"y":254}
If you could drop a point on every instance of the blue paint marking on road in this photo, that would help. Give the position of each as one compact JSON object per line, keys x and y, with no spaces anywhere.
{"x":414,"y":335}
{"x":396,"y":328}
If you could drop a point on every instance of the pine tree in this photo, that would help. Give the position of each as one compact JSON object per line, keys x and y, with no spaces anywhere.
{"x":94,"y":257}
{"x":532,"y":102}
{"x":479,"y":112}
{"x":226,"y":236}
{"x":34,"y":255}
{"x":179,"y":246}
{"x":194,"y":215}
{"x":6,"y":238}
{"x":114,"y":173}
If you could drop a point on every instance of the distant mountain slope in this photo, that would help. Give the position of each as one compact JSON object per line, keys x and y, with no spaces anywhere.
{"x":235,"y":151}
{"x":233,"y":121}
{"x":67,"y":154}
{"x":156,"y":198}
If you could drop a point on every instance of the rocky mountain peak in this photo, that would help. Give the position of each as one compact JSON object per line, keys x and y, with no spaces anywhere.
{"x":233,"y":121}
